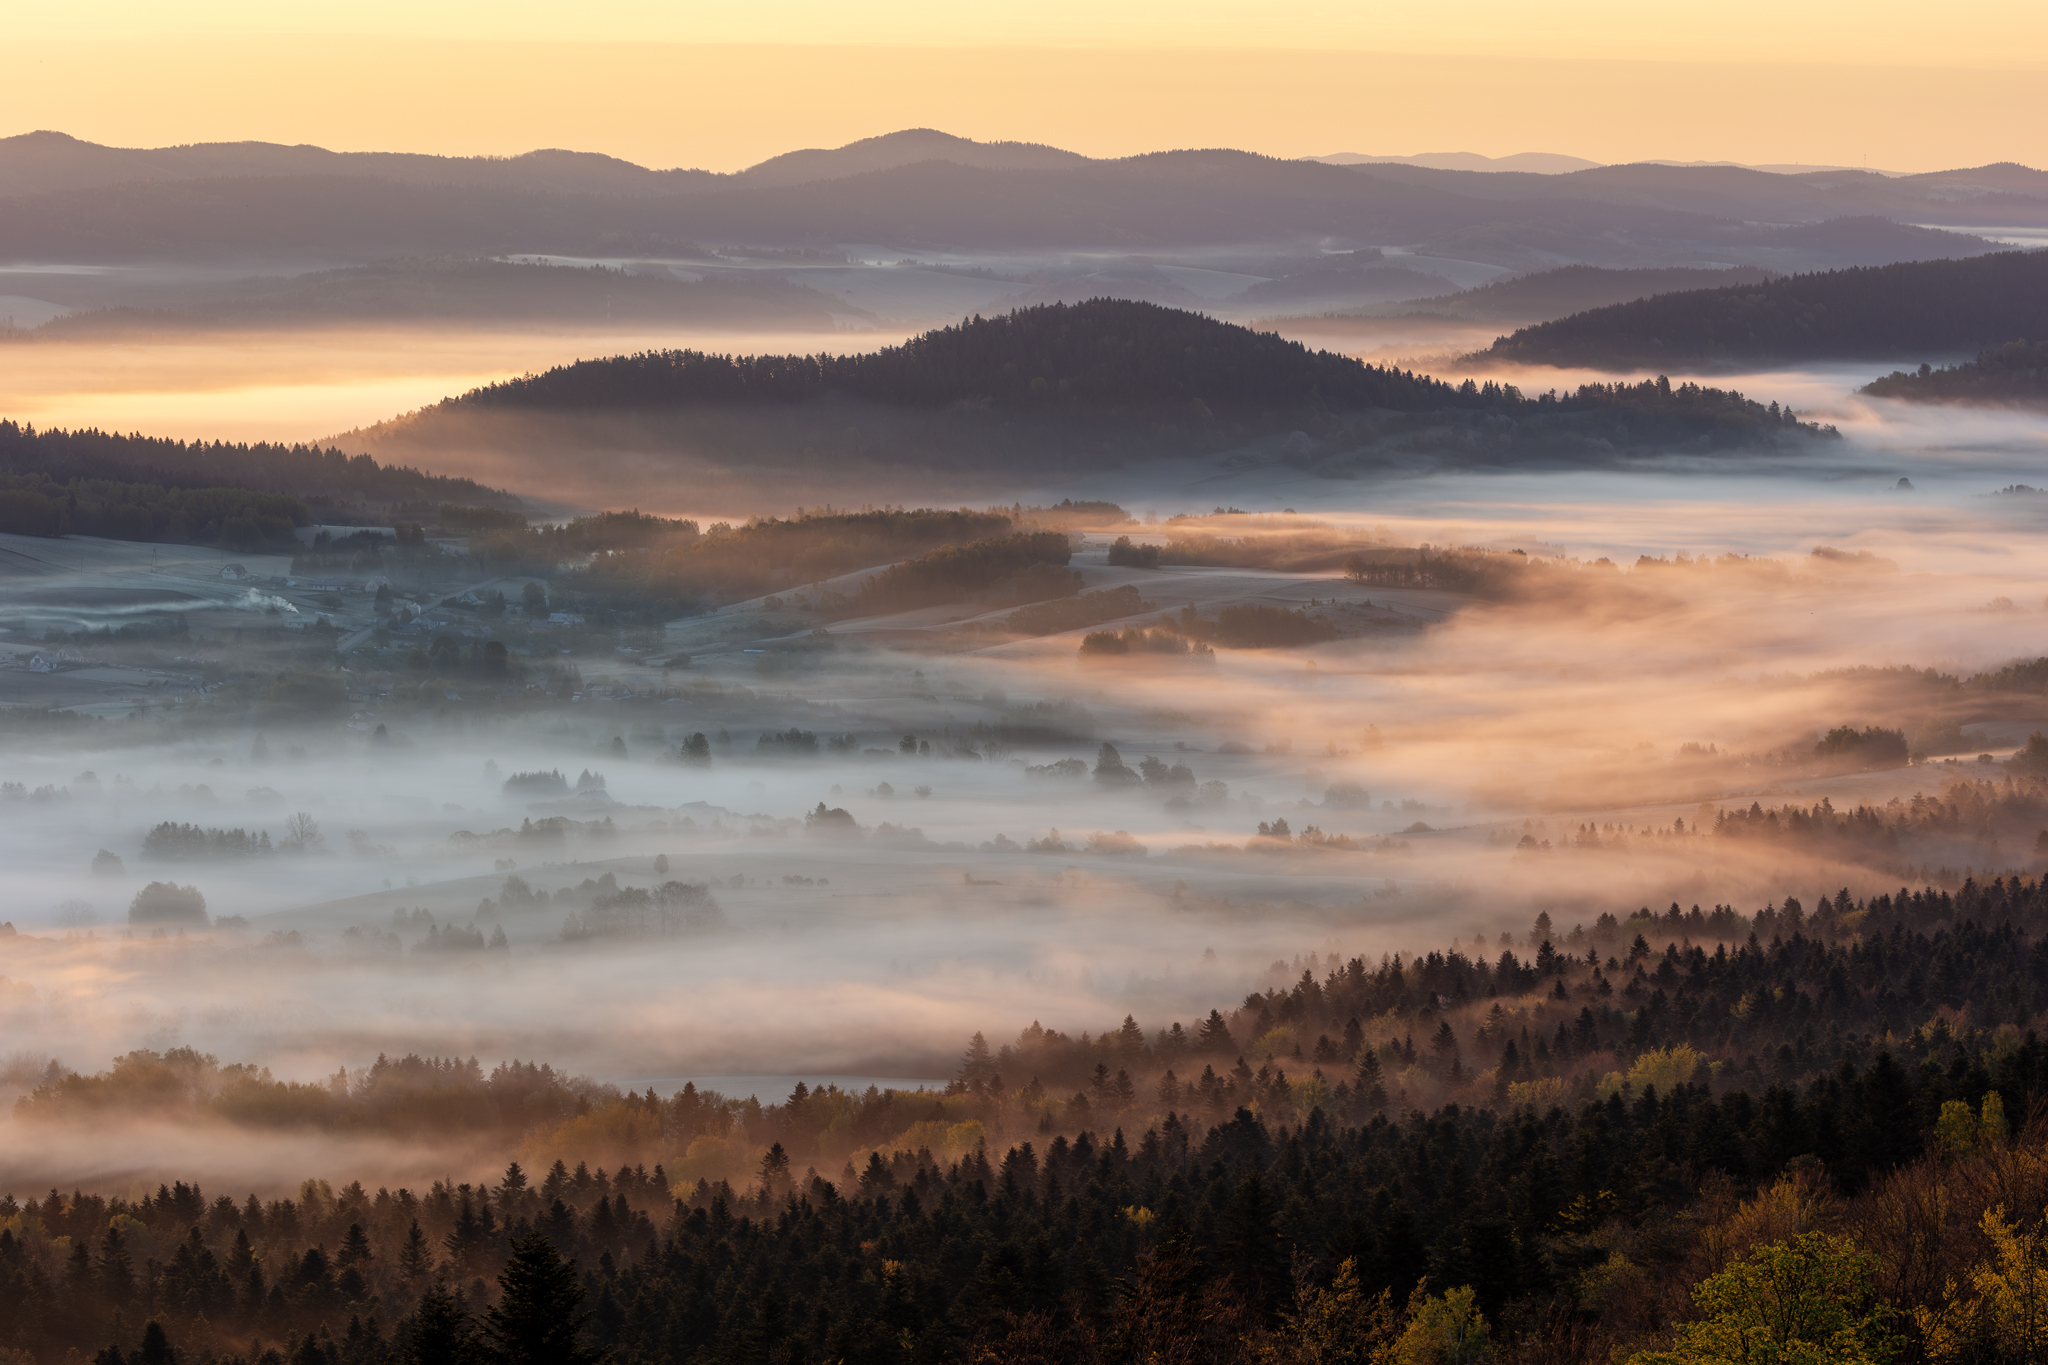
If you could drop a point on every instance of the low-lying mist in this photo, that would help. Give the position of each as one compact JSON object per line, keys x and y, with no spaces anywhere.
{"x":846,"y":859}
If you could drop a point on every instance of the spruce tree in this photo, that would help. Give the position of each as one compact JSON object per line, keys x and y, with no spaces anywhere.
{"x":440,"y":1332}
{"x":540,"y":1314}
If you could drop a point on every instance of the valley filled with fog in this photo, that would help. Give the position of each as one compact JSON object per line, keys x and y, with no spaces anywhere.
{"x":902,"y":833}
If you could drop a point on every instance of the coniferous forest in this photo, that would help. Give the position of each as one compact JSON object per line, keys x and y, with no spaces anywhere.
{"x":1599,"y":1143}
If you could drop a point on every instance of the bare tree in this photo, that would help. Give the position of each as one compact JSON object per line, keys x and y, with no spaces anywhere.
{"x":302,"y":831}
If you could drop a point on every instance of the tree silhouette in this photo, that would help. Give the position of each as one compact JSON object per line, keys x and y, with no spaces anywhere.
{"x":539,"y":1317}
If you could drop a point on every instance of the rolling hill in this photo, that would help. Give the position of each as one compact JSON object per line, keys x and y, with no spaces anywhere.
{"x":1924,"y":309}
{"x":1029,"y":400}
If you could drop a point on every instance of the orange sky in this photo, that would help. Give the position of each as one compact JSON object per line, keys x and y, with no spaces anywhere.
{"x":1838,"y":87}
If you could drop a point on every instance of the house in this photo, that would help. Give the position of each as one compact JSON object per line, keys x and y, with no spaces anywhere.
{"x":234,"y":573}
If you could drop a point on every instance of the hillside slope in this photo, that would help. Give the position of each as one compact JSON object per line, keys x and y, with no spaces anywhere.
{"x":1916,"y":309}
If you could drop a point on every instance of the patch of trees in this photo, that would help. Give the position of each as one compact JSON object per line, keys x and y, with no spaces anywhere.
{"x":1852,"y":750}
{"x":1253,"y":626}
{"x":173,"y":840}
{"x":604,"y":533}
{"x":1469,"y":571}
{"x":1073,"y":613}
{"x":665,"y":911}
{"x":1124,"y":554}
{"x":1903,"y":309}
{"x":1138,"y":641}
{"x":760,"y":556}
{"x":324,"y":478}
{"x":234,"y":518}
{"x":166,"y":905}
{"x":2016,"y":372}
{"x":953,"y":572}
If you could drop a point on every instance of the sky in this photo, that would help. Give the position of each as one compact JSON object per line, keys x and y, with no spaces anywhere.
{"x":724,"y":86}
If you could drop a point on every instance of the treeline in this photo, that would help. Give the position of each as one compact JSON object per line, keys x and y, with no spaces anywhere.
{"x":1104,"y":357}
{"x":1430,"y":1158}
{"x":2016,"y":372}
{"x":1033,"y":561}
{"x":325,"y":479}
{"x":1910,"y":308}
{"x":235,"y":518}
{"x":405,"y":1096}
{"x":760,"y":556}
{"x":538,"y":549}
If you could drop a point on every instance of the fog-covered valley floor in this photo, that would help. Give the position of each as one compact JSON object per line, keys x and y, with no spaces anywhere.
{"x":914,"y":831}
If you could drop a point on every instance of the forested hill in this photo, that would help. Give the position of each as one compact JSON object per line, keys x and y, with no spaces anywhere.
{"x":1912,"y":309}
{"x":1102,"y":355}
{"x":2014,"y":373}
{"x":327,"y":480}
{"x":1105,"y":357}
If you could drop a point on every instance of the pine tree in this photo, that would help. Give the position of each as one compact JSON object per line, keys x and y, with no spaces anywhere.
{"x":774,"y":1171}
{"x":155,"y":1348}
{"x":978,"y":1063}
{"x":414,"y":1258}
{"x":1214,"y":1035}
{"x":355,"y":1248}
{"x":539,"y":1315}
{"x":117,"y":1273}
{"x":440,"y":1332}
{"x":1369,"y":1086}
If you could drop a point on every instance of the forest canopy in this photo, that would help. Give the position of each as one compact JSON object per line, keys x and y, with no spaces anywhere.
{"x":323,"y":479}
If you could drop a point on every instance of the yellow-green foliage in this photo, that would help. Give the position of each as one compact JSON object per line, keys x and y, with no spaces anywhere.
{"x":1958,"y":1132}
{"x":1444,"y":1329}
{"x":1666,"y":1068}
{"x":943,"y":1139}
{"x":1340,"y":1325}
{"x":622,"y":1133}
{"x":2004,"y":1316}
{"x":1540,"y":1094}
{"x":1809,"y":1300}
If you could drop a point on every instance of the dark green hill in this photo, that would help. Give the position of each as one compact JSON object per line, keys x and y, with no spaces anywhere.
{"x":992,"y":406}
{"x":2015,"y":373}
{"x":1914,"y":309}
{"x":1106,"y":358}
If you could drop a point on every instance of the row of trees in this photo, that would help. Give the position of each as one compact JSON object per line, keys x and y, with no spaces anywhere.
{"x":36,"y":504}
